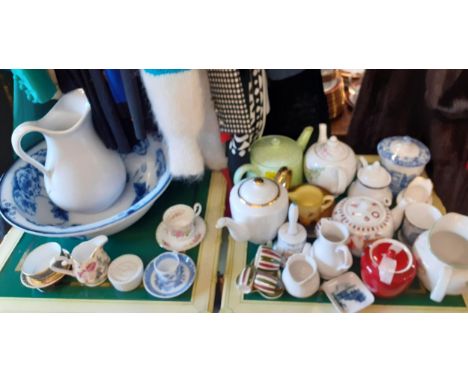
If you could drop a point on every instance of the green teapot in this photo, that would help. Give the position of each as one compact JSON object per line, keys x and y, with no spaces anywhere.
{"x":272,"y":152}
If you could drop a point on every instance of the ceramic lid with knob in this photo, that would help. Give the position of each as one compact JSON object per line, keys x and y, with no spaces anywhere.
{"x":259,"y":192}
{"x":404,"y":151}
{"x":333,"y":150}
{"x":362,"y":214}
{"x":292,"y":232}
{"x":374,"y":175}
{"x":275,"y":150}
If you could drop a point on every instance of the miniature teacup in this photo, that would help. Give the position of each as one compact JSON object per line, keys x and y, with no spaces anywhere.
{"x":167,"y":265}
{"x":267,"y":260}
{"x":244,"y":281}
{"x":268,"y":284}
{"x":36,"y":264}
{"x":180,"y":219}
{"x":89,"y":262}
{"x":419,"y":217}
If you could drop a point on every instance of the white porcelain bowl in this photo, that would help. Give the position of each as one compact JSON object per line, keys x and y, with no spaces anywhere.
{"x":24,"y":202}
{"x":126,"y":272}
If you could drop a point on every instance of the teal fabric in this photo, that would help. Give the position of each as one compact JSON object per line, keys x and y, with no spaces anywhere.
{"x":36,"y":83}
{"x":25,"y":110}
{"x":159,"y":72}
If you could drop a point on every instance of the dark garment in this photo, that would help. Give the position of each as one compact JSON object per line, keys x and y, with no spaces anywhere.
{"x":111,"y":121}
{"x":282,"y":74}
{"x":295,"y":103}
{"x":429,"y":105}
{"x":135,"y":100}
{"x":115,"y":83}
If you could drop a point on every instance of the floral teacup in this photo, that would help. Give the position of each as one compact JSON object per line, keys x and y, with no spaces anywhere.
{"x":89,"y":262}
{"x":180,"y":219}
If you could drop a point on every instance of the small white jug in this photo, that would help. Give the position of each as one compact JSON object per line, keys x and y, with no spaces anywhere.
{"x":330,"y":251}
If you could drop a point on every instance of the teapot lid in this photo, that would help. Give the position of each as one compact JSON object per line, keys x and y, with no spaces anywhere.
{"x":404,"y":151}
{"x":374,"y":175}
{"x":333,"y":150}
{"x":275,"y":151}
{"x":258,"y":192}
{"x":362,"y":214}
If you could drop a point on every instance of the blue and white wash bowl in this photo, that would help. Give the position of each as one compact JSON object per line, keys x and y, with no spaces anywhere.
{"x":404,"y":158}
{"x":24,"y":202}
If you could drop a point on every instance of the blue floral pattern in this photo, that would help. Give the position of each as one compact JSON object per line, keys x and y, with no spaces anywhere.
{"x":384,"y":148}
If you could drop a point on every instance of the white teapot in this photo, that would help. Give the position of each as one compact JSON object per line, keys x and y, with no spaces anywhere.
{"x":259,"y":207}
{"x":329,"y":163}
{"x":372,"y":181}
{"x":367,"y":220}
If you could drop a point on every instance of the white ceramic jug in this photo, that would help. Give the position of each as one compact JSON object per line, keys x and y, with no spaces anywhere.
{"x":442,"y":254}
{"x":330,"y":251}
{"x":300,"y":275}
{"x":80,"y":173}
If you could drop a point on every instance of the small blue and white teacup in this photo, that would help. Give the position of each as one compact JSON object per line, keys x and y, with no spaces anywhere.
{"x":167,"y":266}
{"x":404,"y":158}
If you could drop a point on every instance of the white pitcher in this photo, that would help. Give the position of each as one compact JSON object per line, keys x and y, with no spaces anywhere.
{"x":80,"y":173}
{"x":330,"y":251}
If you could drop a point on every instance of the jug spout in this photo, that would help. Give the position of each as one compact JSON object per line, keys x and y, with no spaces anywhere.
{"x":99,"y":241}
{"x":305,"y":137}
{"x":238,"y":231}
{"x":323,"y":138}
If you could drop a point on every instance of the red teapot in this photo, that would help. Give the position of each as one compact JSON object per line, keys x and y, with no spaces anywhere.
{"x":387,"y":267}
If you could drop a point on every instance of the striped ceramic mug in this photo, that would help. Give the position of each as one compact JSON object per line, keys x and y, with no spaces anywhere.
{"x":267,"y":260}
{"x":245,"y":279}
{"x":268,"y":284}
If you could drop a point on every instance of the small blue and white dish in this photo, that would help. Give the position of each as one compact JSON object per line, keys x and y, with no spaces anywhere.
{"x":405,"y":158}
{"x":24,"y":202}
{"x":347,"y":293}
{"x":173,"y":287}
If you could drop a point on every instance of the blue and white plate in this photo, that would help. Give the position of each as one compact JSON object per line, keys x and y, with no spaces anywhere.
{"x":24,"y":202}
{"x":173,"y":288}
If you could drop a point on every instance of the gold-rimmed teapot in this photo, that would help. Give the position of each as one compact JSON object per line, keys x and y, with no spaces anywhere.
{"x":259,"y":207}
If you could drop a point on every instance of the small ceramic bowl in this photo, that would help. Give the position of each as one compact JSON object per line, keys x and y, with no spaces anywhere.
{"x":126,"y":272}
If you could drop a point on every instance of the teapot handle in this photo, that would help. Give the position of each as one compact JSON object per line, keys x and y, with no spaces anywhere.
{"x":363,"y":161}
{"x":16,"y":138}
{"x":440,"y":289}
{"x":341,"y":180}
{"x":242,"y":170}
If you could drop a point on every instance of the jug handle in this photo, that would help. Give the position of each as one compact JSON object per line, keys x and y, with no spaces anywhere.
{"x":327,"y":202}
{"x":347,"y":257}
{"x":242,"y":170}
{"x":65,"y":260}
{"x":17,"y":136}
{"x":440,"y":289}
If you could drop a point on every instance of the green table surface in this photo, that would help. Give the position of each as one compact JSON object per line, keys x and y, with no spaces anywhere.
{"x":138,"y":239}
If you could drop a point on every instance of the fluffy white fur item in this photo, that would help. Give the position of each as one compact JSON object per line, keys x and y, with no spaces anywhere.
{"x":184,"y":111}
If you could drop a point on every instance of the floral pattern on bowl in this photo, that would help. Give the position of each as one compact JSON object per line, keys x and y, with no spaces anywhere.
{"x":24,"y":202}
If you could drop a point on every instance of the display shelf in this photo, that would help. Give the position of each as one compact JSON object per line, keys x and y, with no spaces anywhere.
{"x":415,"y":299}
{"x":70,"y":296}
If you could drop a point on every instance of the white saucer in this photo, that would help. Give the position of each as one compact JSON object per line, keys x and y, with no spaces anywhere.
{"x":172,"y":243}
{"x":169,"y":289}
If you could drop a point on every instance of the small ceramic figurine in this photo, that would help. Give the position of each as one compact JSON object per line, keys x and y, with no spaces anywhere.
{"x":367,"y":220}
{"x":329,"y":163}
{"x":372,"y":181}
{"x":404,"y":157}
{"x":273,"y":152}
{"x":259,"y":207}
{"x":442,"y":254}
{"x":292,"y":236}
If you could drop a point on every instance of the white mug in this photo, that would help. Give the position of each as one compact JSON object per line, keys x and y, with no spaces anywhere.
{"x":419,"y":217}
{"x":180,"y":219}
{"x":330,"y":251}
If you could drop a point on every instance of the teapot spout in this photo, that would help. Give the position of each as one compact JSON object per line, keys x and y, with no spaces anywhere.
{"x":305,"y":137}
{"x":238,"y":231}
{"x":398,"y":212}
